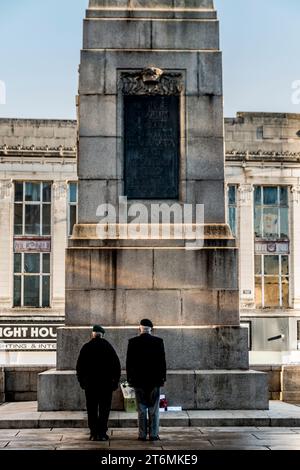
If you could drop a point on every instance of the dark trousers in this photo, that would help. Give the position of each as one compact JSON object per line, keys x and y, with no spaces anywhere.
{"x":98,"y":404}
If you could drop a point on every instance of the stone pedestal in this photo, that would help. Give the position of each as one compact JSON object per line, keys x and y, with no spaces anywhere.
{"x":151,"y":124}
{"x":191,"y":389}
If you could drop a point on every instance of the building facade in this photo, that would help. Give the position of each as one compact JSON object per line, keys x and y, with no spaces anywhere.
{"x":38,"y":208}
{"x":38,"y":192}
{"x":262,"y":174}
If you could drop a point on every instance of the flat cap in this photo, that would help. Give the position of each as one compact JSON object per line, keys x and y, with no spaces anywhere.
{"x":98,"y":329}
{"x":146,"y":322}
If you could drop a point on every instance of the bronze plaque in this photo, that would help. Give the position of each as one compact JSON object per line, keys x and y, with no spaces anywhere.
{"x":151,"y":163}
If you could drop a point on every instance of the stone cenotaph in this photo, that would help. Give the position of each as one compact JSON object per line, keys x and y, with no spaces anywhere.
{"x":151,"y":131}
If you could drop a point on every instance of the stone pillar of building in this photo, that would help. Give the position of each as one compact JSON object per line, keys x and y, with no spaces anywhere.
{"x":295,"y":244}
{"x":6,"y":241}
{"x":246,"y":246}
{"x":59,"y":214}
{"x":151,"y":128}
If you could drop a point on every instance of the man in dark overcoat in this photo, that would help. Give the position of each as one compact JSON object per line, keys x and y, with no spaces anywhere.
{"x":146,"y":372}
{"x":98,"y":372}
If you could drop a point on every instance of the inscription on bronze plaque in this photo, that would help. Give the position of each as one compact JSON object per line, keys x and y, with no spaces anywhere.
{"x":151,"y":146}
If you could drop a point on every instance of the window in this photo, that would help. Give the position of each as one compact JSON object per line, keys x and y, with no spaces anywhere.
{"x":32,"y":280}
{"x":232,"y":208}
{"x":32,"y":208}
{"x":271,"y":226}
{"x":271,"y":213}
{"x":72,"y":206}
{"x":272,"y":281}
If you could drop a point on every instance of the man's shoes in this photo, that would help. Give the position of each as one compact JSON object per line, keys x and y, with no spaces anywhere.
{"x":142,"y":439}
{"x":103,"y":438}
{"x":93,"y":437}
{"x":154,"y":438}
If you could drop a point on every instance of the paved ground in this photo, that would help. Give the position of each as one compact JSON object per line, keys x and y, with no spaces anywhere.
{"x":23,"y":427}
{"x":171,"y":439}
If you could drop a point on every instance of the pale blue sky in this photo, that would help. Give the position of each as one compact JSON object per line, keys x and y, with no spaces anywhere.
{"x":40,"y":42}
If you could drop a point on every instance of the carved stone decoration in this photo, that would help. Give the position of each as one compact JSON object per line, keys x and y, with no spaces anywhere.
{"x":296,"y":194}
{"x":5,"y":189}
{"x":152,"y":75}
{"x":151,"y":81}
{"x":246,"y":194}
{"x":60,"y":190}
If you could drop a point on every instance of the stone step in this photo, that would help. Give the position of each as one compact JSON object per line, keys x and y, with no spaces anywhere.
{"x":25,"y":416}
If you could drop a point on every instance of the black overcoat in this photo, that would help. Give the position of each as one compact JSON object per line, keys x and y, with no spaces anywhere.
{"x":146,"y":362}
{"x":98,"y":365}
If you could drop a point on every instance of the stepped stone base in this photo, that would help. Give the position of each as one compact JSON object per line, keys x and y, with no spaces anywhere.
{"x":205,"y":389}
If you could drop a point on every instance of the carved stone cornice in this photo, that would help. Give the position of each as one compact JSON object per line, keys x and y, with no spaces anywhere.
{"x":262,"y":156}
{"x":151,"y":81}
{"x":34,"y":151}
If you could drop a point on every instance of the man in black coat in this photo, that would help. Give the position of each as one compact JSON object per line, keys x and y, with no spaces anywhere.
{"x":98,"y":372}
{"x":146,"y":372}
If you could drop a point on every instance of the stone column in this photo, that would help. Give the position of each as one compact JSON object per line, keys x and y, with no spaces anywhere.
{"x":295,"y":247}
{"x":59,"y":237}
{"x":6,"y":243}
{"x":246,"y":241}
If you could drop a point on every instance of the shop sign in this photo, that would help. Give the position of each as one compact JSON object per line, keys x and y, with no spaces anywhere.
{"x":33,"y":337}
{"x":37,"y":245}
{"x":277,"y":248}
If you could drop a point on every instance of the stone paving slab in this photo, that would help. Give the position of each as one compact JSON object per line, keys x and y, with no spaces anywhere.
{"x":275,"y":430}
{"x":8,"y":433}
{"x":232,"y":429}
{"x":3,"y":443}
{"x":276,"y":435}
{"x":282,"y":447}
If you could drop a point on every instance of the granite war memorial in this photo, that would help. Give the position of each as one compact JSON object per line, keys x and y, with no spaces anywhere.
{"x":151,"y":131}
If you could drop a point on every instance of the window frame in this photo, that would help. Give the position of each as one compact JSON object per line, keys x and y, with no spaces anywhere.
{"x":41,"y":203}
{"x":71,"y":204}
{"x":233,"y":206}
{"x":278,"y":206}
{"x":22,"y":274}
{"x":280,"y":276}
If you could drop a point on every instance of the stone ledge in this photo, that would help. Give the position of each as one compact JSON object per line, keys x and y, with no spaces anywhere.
{"x":215,"y":232}
{"x":143,"y":13}
{"x":152,"y":4}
